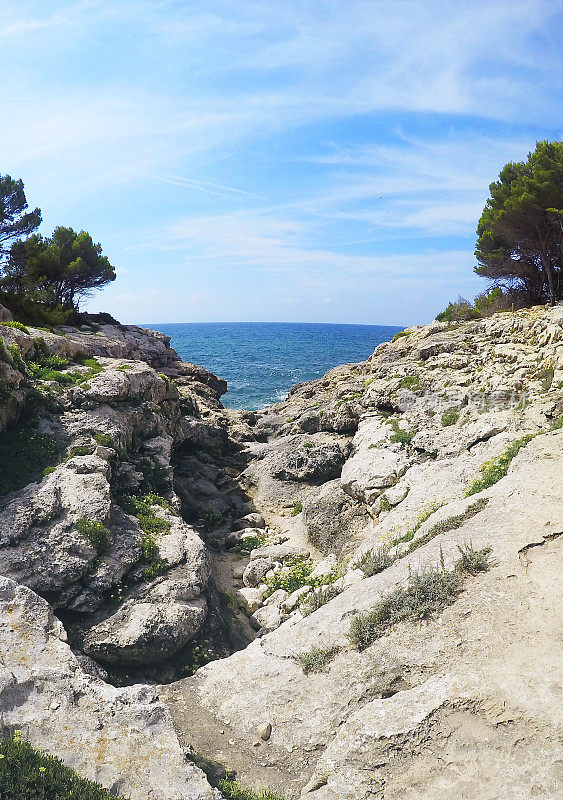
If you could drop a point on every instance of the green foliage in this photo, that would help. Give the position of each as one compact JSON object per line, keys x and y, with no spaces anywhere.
{"x":460,"y":311}
{"x":411,"y":382}
{"x":12,"y":324}
{"x":424,"y":594}
{"x":103,"y":439}
{"x":400,"y":436}
{"x":297,"y":508}
{"x":231,"y":790}
{"x":24,"y":454}
{"x":492,"y":471}
{"x":449,"y":417}
{"x":209,"y":519}
{"x":374,"y":561}
{"x":81,"y":450}
{"x":472,"y":561}
{"x":424,"y":514}
{"x":293,"y":575}
{"x":317,"y":598}
{"x":384,"y":504}
{"x":251,"y":543}
{"x":54,"y":272}
{"x":5,"y":394}
{"x":26,"y":774}
{"x":96,"y":533}
{"x":519,"y":232}
{"x":151,"y":525}
{"x":16,"y":358}
{"x":15,"y":221}
{"x":451,"y":523}
{"x":546,"y":377}
{"x":400,"y":335}
{"x":316,"y":659}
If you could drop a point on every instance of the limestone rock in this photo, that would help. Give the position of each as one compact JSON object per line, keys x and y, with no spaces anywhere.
{"x":121,"y":738}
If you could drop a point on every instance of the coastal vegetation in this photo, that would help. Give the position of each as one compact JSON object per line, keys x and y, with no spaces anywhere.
{"x":42,"y":279}
{"x":28,"y":774}
{"x":425,"y":593}
{"x":520,"y":237}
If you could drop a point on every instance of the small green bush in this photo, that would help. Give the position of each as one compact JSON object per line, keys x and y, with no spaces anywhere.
{"x":96,"y":533}
{"x":449,"y":418}
{"x":411,"y":382}
{"x":81,"y":450}
{"x":400,"y":335}
{"x":424,"y":594}
{"x":374,"y":561}
{"x":472,"y":561}
{"x":297,"y":508}
{"x":317,"y":598}
{"x":316,"y":659}
{"x":231,"y":790}
{"x":451,"y":523}
{"x":26,"y":774}
{"x":103,"y":439}
{"x":384,"y":504}
{"x":209,"y":519}
{"x":24,"y":454}
{"x":294,"y":574}
{"x":424,"y":514}
{"x":150,"y":524}
{"x":13,"y":324}
{"x":400,"y":436}
{"x":492,"y":471}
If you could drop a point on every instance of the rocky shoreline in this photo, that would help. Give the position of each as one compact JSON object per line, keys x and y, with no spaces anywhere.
{"x":179,"y":579}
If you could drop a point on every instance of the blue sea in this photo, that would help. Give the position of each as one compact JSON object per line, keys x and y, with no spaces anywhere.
{"x":261,"y":361}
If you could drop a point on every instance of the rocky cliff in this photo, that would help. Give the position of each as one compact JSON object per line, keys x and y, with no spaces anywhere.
{"x":350,"y":594}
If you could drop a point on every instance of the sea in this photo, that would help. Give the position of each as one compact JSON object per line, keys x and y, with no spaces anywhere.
{"x":261,"y":361}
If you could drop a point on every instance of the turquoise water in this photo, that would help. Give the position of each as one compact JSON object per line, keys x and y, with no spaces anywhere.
{"x":262,"y":360}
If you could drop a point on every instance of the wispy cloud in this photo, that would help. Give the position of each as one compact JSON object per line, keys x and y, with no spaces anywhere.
{"x":316,"y":140}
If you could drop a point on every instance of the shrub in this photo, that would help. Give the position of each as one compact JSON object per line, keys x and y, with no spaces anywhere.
{"x":96,"y":533}
{"x":317,"y":598}
{"x":400,"y":335}
{"x":316,"y":659}
{"x":150,"y":525}
{"x":449,"y":417}
{"x":472,"y":561}
{"x":451,"y":523}
{"x":384,"y":504}
{"x":460,"y":311}
{"x":410,"y":382}
{"x":24,"y":454}
{"x":103,"y":439}
{"x":26,"y":774}
{"x":295,"y":574}
{"x":81,"y":450}
{"x":423,"y":515}
{"x":424,"y":594}
{"x":374,"y":561}
{"x":400,"y":436}
{"x":209,"y":519}
{"x":492,"y":471}
{"x":231,"y":790}
{"x":13,"y":324}
{"x":297,"y":508}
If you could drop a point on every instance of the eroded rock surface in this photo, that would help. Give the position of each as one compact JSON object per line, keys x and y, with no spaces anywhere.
{"x":254,"y":538}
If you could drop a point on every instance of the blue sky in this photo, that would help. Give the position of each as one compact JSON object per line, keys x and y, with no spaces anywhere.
{"x":279,"y":160}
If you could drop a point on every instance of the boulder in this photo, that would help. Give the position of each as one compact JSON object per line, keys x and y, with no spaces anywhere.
{"x":121,"y":738}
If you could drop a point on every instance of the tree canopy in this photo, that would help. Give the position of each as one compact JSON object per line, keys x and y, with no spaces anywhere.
{"x":59,"y":269}
{"x":14,"y":223}
{"x":43,"y":278}
{"x":520,"y":233}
